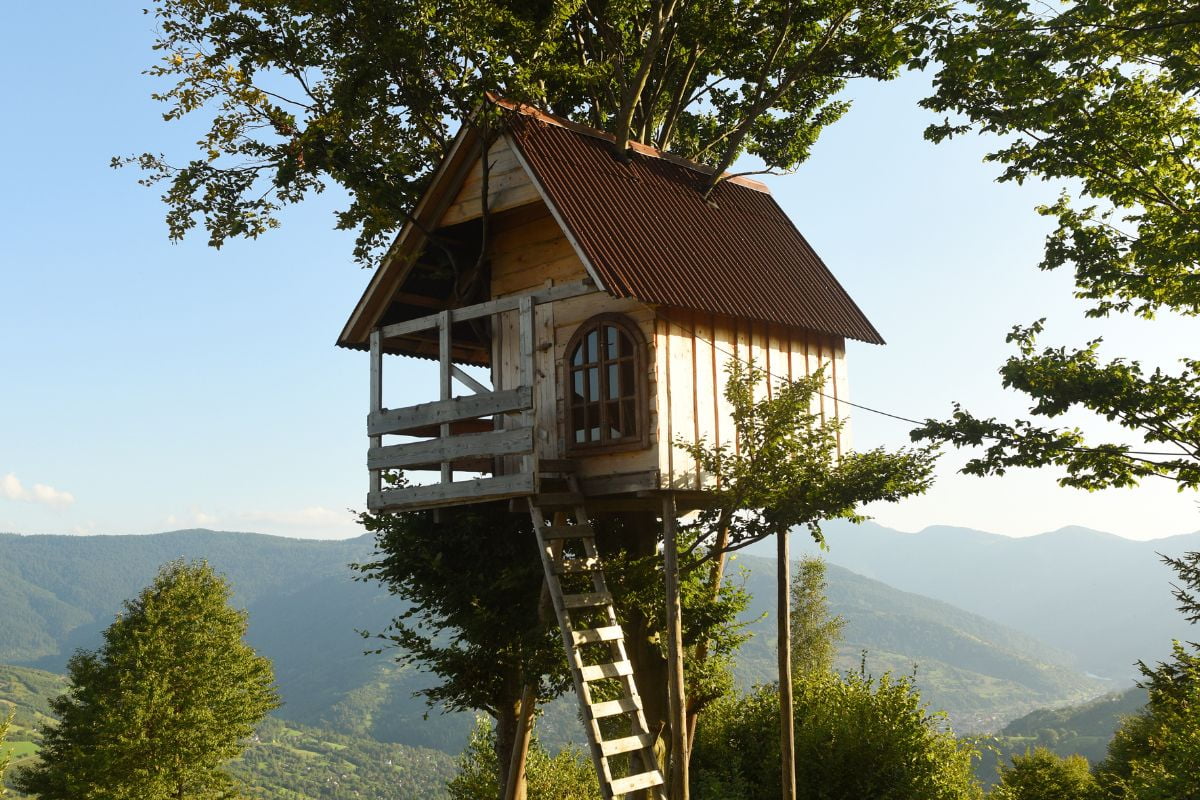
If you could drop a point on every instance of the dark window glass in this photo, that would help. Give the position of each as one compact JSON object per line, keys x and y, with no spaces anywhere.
{"x":603,"y":401}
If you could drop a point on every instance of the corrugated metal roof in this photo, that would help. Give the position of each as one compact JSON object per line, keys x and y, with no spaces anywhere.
{"x":649,"y":234}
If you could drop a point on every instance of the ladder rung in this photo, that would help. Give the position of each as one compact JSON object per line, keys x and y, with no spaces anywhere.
{"x":575,"y":566}
{"x":558,"y":499}
{"x":567,"y":532}
{"x":610,"y":708}
{"x":618,"y":746}
{"x":595,"y":635}
{"x":631,"y":783}
{"x":587,"y":600}
{"x":597,"y":672}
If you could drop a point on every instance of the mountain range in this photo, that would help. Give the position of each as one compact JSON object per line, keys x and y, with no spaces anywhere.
{"x":305,"y":609}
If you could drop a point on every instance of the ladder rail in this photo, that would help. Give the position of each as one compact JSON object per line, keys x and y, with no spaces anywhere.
{"x":639,"y":742}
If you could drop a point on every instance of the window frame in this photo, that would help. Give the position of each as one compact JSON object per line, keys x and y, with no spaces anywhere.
{"x":640,"y":440}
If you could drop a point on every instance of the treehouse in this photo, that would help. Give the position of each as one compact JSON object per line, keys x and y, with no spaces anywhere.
{"x":606,"y":299}
{"x":582,"y":310}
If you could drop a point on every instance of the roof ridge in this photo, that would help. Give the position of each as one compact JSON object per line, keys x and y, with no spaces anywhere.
{"x":642,"y":149}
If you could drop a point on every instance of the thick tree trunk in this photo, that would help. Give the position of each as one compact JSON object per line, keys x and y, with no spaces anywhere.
{"x":516,"y":786}
{"x":506,"y":737}
{"x":787,"y":734}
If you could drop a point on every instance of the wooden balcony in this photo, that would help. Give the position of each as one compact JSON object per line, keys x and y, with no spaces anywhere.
{"x":487,"y":433}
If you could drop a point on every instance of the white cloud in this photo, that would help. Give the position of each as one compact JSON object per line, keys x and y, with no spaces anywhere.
{"x":204,"y":519}
{"x":12,"y":488}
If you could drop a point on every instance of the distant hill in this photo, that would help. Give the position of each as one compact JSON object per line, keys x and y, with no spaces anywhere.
{"x":1084,"y":730}
{"x":59,"y":592}
{"x":1104,"y":599}
{"x":284,"y":761}
{"x":982,"y":672}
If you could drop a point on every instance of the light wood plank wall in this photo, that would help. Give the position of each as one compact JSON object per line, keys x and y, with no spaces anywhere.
{"x":694,"y":351}
{"x":508,"y":187}
{"x":534,"y":253}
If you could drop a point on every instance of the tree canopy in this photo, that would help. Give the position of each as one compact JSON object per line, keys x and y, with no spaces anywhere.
{"x":169,"y":697}
{"x":300,"y":94}
{"x":1155,"y":755}
{"x":785,"y":469}
{"x":1100,"y":96}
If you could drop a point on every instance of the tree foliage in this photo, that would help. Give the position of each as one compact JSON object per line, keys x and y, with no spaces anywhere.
{"x":567,"y":775}
{"x":471,"y":579}
{"x":815,"y":633}
{"x":167,"y":699}
{"x":298,"y":94}
{"x":5,"y":756}
{"x":1043,"y":775}
{"x":1102,"y":96}
{"x":784,"y":469}
{"x":856,"y":737}
{"x":1155,"y":755}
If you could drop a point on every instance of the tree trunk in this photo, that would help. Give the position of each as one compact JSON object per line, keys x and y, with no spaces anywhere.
{"x":678,"y":781}
{"x":515,"y":785}
{"x":787,"y":736}
{"x":506,"y":736}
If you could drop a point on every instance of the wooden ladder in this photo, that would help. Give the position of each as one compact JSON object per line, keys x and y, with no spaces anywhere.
{"x":600,"y":632}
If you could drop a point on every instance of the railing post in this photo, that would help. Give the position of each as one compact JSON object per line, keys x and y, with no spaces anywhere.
{"x":528,"y":337}
{"x":376,"y":486}
{"x":446,"y":373}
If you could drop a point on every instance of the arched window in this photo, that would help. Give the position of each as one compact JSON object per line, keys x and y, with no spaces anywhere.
{"x":606,"y":385}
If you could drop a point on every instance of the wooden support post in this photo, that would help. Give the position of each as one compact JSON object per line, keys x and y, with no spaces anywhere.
{"x":376,"y":406}
{"x":678,"y":781}
{"x":446,"y":375}
{"x":527,"y":337}
{"x":787,"y":732}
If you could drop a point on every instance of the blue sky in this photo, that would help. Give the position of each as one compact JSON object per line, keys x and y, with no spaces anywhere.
{"x":148,"y":386}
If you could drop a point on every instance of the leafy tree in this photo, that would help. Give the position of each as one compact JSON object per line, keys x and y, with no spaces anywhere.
{"x":5,"y":724}
{"x":297,"y":94}
{"x":163,"y":704}
{"x":1100,"y":95}
{"x":856,"y":737}
{"x":815,"y":634}
{"x":472,"y":581}
{"x":565,"y":776}
{"x":783,"y":470}
{"x":1043,"y":775}
{"x":1155,"y":755}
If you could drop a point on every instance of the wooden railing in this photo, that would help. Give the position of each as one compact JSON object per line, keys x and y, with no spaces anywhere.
{"x":468,"y":433}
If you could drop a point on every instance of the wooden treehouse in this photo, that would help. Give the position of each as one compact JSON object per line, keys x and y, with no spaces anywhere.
{"x":605,"y":299}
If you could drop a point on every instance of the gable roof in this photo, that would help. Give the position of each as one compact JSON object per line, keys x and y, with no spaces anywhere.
{"x":643,"y":230}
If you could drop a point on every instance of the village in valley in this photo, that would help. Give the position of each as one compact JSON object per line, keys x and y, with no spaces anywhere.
{"x":639,"y":458}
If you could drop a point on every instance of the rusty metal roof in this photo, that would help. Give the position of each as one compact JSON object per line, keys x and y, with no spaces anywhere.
{"x":648,"y":233}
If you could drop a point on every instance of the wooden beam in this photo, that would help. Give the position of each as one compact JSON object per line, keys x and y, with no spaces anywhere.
{"x":463,"y":377}
{"x":498,"y":306}
{"x":376,"y":401}
{"x":397,"y":420}
{"x":492,"y":443}
{"x":449,"y":494}
{"x":445,"y":382}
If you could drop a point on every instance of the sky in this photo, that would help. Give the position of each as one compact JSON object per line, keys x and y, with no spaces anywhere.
{"x":149,"y":386}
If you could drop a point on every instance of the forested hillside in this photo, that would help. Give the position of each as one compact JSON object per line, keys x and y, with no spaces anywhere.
{"x":1104,"y":599}
{"x":285,"y":761}
{"x":305,"y":608}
